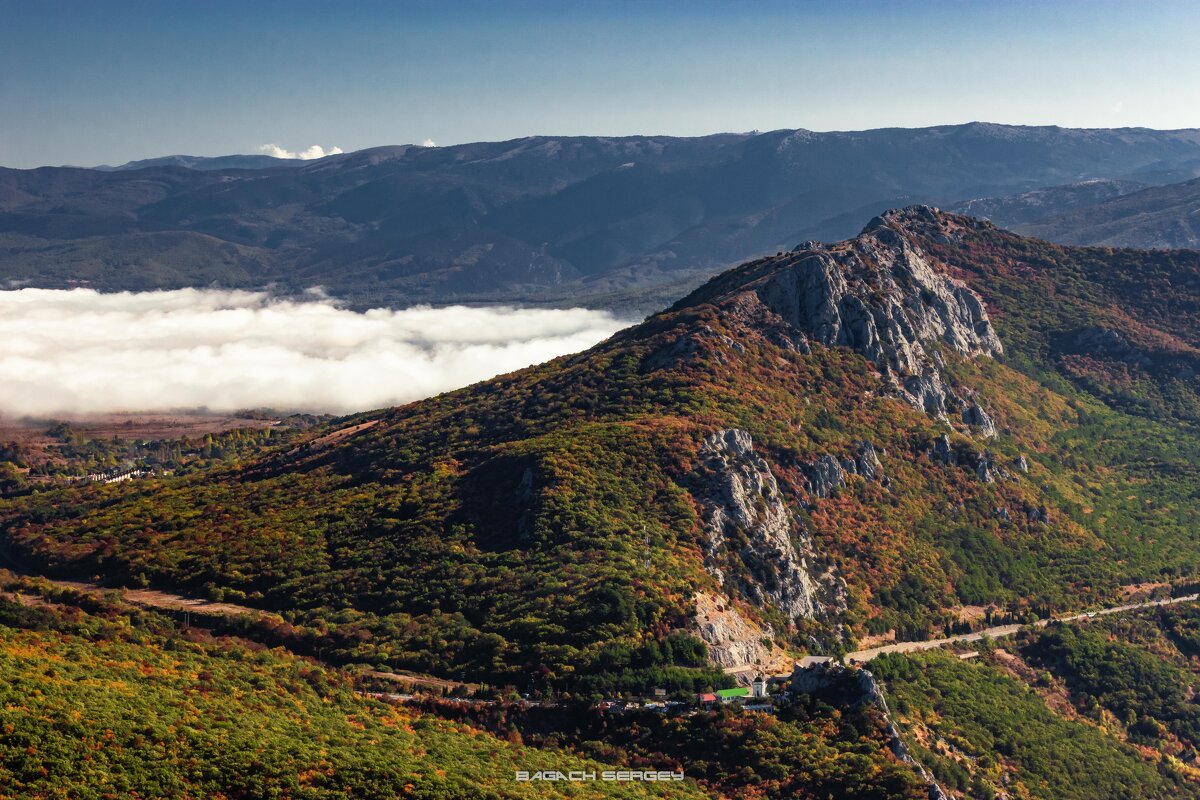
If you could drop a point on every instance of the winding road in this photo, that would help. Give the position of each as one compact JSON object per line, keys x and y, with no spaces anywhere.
{"x":1000,"y":631}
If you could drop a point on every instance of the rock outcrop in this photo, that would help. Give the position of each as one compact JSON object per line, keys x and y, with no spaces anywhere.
{"x":825,"y":476}
{"x":943,"y":451}
{"x":881,"y":297}
{"x":754,"y":546}
{"x":976,"y":417}
{"x":878,"y":294}
{"x":733,"y":640}
{"x":867,"y":462}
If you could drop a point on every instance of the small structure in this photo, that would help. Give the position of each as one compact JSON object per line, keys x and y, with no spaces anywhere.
{"x":758,"y":689}
{"x":707,"y":699}
{"x":660,"y":692}
{"x":740,"y":694}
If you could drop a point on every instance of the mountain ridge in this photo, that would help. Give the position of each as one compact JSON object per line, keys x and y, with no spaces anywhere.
{"x":540,"y":219}
{"x":736,"y":479}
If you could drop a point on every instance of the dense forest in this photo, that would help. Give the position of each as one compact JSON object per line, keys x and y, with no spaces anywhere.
{"x":1098,"y":708}
{"x":102,"y":701}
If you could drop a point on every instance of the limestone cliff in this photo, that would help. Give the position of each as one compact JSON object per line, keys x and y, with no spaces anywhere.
{"x":754,"y":546}
{"x":881,"y":295}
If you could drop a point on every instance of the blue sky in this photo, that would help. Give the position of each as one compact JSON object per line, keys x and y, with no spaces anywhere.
{"x":114,"y":80}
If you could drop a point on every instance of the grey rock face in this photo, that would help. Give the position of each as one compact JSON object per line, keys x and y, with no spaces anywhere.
{"x":825,"y":476}
{"x":984,"y":470}
{"x":976,"y":417}
{"x":943,"y":452}
{"x":927,"y":392}
{"x":884,"y":300}
{"x":868,"y":463}
{"x":750,"y":529}
{"x":1021,"y":463}
{"x":732,"y":639}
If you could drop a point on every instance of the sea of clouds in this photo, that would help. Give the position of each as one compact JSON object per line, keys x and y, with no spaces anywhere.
{"x":79,"y":351}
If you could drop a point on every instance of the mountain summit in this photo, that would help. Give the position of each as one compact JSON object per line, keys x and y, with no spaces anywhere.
{"x":877,"y":294}
{"x":870,"y":438}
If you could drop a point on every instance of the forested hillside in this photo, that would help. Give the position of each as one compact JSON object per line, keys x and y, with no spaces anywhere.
{"x":104,"y":701}
{"x":1099,"y":708}
{"x":927,"y":426}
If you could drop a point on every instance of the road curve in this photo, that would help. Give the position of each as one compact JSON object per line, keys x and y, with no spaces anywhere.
{"x":1001,"y":631}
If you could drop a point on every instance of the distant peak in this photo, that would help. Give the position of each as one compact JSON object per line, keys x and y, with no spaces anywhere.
{"x":928,"y":222}
{"x":920,"y":214}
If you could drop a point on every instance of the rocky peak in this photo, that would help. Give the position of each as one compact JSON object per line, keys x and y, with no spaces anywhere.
{"x":879,"y":294}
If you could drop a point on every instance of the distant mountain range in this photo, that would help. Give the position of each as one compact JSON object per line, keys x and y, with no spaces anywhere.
{"x":1025,"y":207}
{"x":619,"y":222}
{"x":1156,"y":217}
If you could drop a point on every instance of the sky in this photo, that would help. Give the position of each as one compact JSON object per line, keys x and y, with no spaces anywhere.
{"x":96,"y":82}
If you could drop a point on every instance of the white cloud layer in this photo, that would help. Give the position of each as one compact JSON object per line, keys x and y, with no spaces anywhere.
{"x":79,"y":351}
{"x":315,"y":151}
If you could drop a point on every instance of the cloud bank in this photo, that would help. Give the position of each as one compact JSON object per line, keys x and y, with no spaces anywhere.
{"x":78,"y":351}
{"x":315,"y":151}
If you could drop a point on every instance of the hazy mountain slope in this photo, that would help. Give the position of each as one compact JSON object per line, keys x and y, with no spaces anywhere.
{"x":836,"y":440}
{"x":1157,"y":217}
{"x":207,"y":162}
{"x":536,"y":218}
{"x":1013,"y":210}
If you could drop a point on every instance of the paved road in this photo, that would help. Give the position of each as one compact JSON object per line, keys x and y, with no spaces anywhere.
{"x":1001,"y":631}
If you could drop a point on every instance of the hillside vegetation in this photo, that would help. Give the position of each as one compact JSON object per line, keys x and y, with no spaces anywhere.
{"x":551,"y":528}
{"x":1099,"y":708}
{"x":104,"y":702}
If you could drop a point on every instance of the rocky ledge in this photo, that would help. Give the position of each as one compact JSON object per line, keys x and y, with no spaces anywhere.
{"x":754,"y":546}
{"x":880,"y":295}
